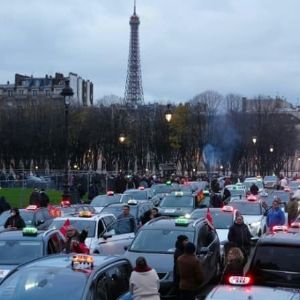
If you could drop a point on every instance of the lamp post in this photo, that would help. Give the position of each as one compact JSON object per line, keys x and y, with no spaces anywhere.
{"x":67,"y":93}
{"x":254,"y":140}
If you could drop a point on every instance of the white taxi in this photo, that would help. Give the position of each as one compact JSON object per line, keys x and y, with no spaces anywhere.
{"x":253,"y":214}
{"x":240,"y":288}
{"x":102,"y":237}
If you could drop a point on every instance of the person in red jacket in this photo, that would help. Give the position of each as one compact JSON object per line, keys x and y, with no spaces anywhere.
{"x":78,"y":246}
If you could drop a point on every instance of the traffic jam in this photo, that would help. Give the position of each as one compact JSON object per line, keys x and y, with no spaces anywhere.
{"x":174,"y":240}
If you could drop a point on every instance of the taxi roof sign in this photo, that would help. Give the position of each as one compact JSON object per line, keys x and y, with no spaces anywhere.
{"x":132,"y":202}
{"x":228,"y":208}
{"x":278,"y":228}
{"x":32,"y":207}
{"x":239,"y":280}
{"x":81,"y":261}
{"x":168,"y":182}
{"x":110,"y":193}
{"x":29,"y":231}
{"x":181,"y":221}
{"x":85,"y":214}
{"x":141,"y":188}
{"x":178,"y":193}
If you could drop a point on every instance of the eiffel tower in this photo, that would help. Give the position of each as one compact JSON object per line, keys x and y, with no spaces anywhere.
{"x":134,"y":90}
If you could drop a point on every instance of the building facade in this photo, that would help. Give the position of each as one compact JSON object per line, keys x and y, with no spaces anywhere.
{"x":29,"y":87}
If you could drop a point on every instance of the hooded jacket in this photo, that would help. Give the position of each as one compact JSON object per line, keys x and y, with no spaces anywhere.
{"x":144,"y":285}
{"x":240,"y":235}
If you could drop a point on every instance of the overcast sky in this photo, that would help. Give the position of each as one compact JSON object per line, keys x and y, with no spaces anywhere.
{"x":249,"y":47}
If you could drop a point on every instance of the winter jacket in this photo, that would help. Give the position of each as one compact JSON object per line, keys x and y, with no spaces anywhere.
{"x":144,"y":285}
{"x":292,"y":209}
{"x":240,"y":236}
{"x":15,"y":222}
{"x":178,"y":252}
{"x":233,"y":268}
{"x":275,"y":217}
{"x":190,"y":272}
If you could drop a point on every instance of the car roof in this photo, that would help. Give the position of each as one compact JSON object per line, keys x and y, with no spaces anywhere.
{"x":280,"y":238}
{"x":170,"y":223}
{"x":93,"y":217}
{"x":14,"y":235}
{"x":64,"y":261}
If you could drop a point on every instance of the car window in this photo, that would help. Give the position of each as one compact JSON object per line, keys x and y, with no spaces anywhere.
{"x":100,"y":228}
{"x":165,"y":240}
{"x":173,"y":201}
{"x":246,"y":208}
{"x":108,"y":220}
{"x":221,"y":220}
{"x":17,"y":252}
{"x":54,"y":244}
{"x":79,"y":224}
{"x":36,"y":283}
{"x":277,"y":258}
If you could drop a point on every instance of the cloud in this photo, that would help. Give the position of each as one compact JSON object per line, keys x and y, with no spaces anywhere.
{"x":246,"y":47}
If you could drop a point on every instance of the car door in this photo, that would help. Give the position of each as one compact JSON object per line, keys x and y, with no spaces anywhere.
{"x":113,"y":242}
{"x":112,"y":282}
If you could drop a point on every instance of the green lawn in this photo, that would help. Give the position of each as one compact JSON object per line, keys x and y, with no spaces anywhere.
{"x":19,"y":197}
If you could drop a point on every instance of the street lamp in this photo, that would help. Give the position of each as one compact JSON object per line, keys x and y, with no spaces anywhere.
{"x":67,"y":93}
{"x":254,"y":140}
{"x":122,"y":138}
{"x":271,"y":149}
{"x":168,"y":113}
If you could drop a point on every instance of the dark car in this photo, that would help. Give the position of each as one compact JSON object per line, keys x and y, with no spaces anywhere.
{"x":68,"y":277}
{"x":177,"y":204}
{"x":137,"y":209}
{"x":276,"y":260}
{"x":39,"y":217}
{"x":19,"y":246}
{"x":156,"y":241}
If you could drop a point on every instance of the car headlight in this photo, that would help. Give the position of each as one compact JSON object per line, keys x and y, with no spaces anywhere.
{"x":255,"y":224}
{"x":187,"y":216}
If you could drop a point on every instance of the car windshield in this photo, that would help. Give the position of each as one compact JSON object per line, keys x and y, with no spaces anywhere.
{"x":163,"y":189}
{"x":294,"y":184}
{"x":271,"y":260}
{"x":118,"y":210}
{"x":181,"y":201}
{"x":136,"y":195}
{"x":104,"y":200}
{"x":247,"y":208}
{"x":270,"y":178}
{"x":221,"y":219}
{"x":165,"y":240}
{"x":47,"y":283}
{"x":237,"y":192}
{"x":16,"y":252}
{"x":258,"y":183}
{"x":88,"y":225}
{"x":27,"y":216}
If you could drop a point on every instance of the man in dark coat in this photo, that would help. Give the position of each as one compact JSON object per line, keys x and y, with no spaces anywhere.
{"x":44,"y":199}
{"x":34,"y":198}
{"x":240,"y":236}
{"x":190,"y":273}
{"x":15,"y":221}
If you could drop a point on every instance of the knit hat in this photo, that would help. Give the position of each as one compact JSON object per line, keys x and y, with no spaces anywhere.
{"x":189,"y":248}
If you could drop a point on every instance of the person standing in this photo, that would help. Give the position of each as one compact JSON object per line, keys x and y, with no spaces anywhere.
{"x":144,"y":281}
{"x":181,"y":241}
{"x":126,"y":221}
{"x":240,"y":236}
{"x":234,"y":265}
{"x":292,"y":209}
{"x":15,"y":221}
{"x":190,"y":273}
{"x":275,"y":215}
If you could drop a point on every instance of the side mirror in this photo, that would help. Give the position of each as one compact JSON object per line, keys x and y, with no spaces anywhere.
{"x":125,"y":248}
{"x":107,"y":235}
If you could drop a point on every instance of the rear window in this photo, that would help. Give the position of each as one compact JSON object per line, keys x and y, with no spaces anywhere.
{"x":277,"y":258}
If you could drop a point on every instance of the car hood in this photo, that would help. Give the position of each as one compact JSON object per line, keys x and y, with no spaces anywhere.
{"x":223,"y":292}
{"x":5,"y":269}
{"x":162,"y":263}
{"x":251,"y":219}
{"x":222,"y":234}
